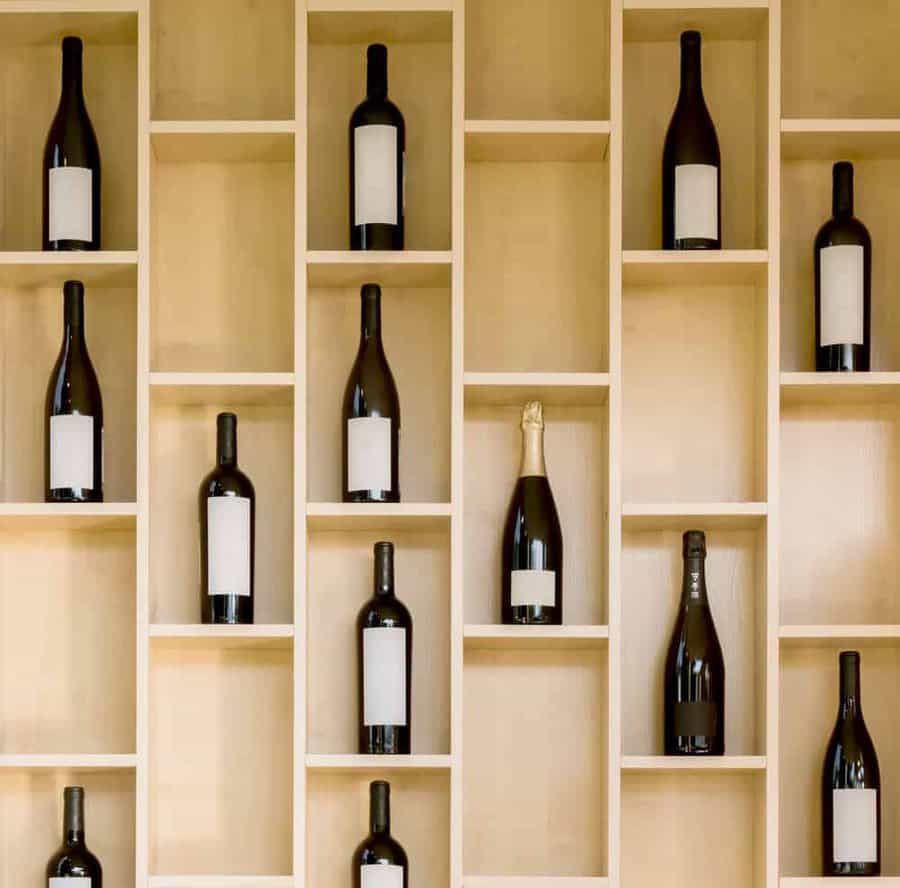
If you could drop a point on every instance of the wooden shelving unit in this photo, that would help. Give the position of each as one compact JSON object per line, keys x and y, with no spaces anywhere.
{"x":679,"y":391}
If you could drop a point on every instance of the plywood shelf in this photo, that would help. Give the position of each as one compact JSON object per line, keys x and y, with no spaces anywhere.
{"x":535,"y":881}
{"x":372,"y":516}
{"x":233,"y":388}
{"x":222,"y":637}
{"x":843,"y":633}
{"x":492,"y":636}
{"x":37,"y":269}
{"x":822,"y":882}
{"x":848,"y":138}
{"x":839,"y":388}
{"x":227,"y":141}
{"x":661,"y":516}
{"x":536,"y":140}
{"x":67,"y":762}
{"x":562,"y":389}
{"x":407,"y":268}
{"x":228,"y":881}
{"x":667,"y":764}
{"x":380,"y":764}
{"x":676,"y":268}
{"x":664,"y":20}
{"x":67,"y":516}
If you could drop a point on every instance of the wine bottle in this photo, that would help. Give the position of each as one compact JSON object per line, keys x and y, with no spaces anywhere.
{"x":692,"y":173}
{"x":227,"y":533}
{"x":380,"y":861}
{"x":695,"y":670}
{"x":851,"y":786}
{"x":843,"y":269}
{"x":384,"y":648}
{"x":71,"y":165}
{"x":377,"y":163}
{"x":73,"y":861}
{"x":73,"y":430}
{"x":532,"y":581}
{"x":371,"y":415}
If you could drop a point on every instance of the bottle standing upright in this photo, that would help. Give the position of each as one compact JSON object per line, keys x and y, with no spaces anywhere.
{"x":380,"y":861}
{"x":73,"y":860}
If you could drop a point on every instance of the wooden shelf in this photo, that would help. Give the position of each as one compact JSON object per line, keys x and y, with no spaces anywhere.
{"x":222,"y":882}
{"x":408,"y":764}
{"x":406,"y":268}
{"x":536,"y":140}
{"x":39,"y":269}
{"x":535,"y":881}
{"x":839,"y":388}
{"x":850,"y":139}
{"x":213,"y":636}
{"x":659,"y":20}
{"x":215,"y":388}
{"x":829,"y":635}
{"x":67,"y":516}
{"x":228,"y":141}
{"x":563,"y":389}
{"x":667,"y":764}
{"x":677,"y":268}
{"x":823,"y":882}
{"x":377,"y":516}
{"x":67,"y":762}
{"x":660,"y":516}
{"x":498,"y":637}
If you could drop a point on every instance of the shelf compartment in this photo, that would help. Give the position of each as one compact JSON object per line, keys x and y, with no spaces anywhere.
{"x":416,"y":325}
{"x":576,"y":455}
{"x":735,"y":82}
{"x":339,"y":582}
{"x":652,"y":569}
{"x":36,"y":269}
{"x":196,"y":635}
{"x":492,"y":636}
{"x":567,"y":697}
{"x":387,"y":517}
{"x":383,"y":764}
{"x":67,"y":516}
{"x":843,"y":633}
{"x":420,"y":81}
{"x":530,"y":140}
{"x":642,"y":268}
{"x":808,"y":708}
{"x":209,"y":710}
{"x":686,"y":516}
{"x":193,"y":389}
{"x":201,"y":51}
{"x":664,"y":20}
{"x":667,"y":764}
{"x":182,"y":453}
{"x":514,"y":389}
{"x":222,"y":141}
{"x":846,"y":138}
{"x":839,"y":388}
{"x":403,"y":268}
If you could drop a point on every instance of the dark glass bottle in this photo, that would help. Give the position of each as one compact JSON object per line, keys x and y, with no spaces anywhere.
{"x":384,"y":653}
{"x":227,"y":533}
{"x":851,"y":787}
{"x":71,"y":187}
{"x":371,"y":415}
{"x":73,"y":417}
{"x":380,"y":861}
{"x":843,"y":269}
{"x":532,"y":581}
{"x":695,"y":671}
{"x":73,"y":860}
{"x":377,"y":163}
{"x":692,"y":169}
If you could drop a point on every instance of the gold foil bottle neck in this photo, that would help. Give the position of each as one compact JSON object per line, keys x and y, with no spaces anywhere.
{"x":533,"y":415}
{"x":533,"y":440}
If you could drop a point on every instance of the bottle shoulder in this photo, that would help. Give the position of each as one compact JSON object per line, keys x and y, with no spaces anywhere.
{"x":73,"y":860}
{"x":378,"y":849}
{"x":691,"y":136}
{"x":227,"y":481}
{"x":384,"y":611}
{"x":372,"y":112}
{"x":848,"y":231}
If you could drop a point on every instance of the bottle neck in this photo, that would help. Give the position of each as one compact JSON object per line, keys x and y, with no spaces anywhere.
{"x":370,"y":319}
{"x":691,"y":80}
{"x":384,"y":571}
{"x":532,"y":452}
{"x":376,"y":78}
{"x":226,"y":444}
{"x":72,"y":85}
{"x":842,"y":194}
{"x":693,"y":587}
{"x":380,"y":812}
{"x":850,"y":703}
{"x":73,"y":819}
{"x":73,"y":318}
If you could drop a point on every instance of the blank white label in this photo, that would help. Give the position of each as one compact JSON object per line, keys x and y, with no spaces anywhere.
{"x":369,"y":453}
{"x":228,"y":545}
{"x":381,"y":875}
{"x":375,"y":174}
{"x":855,"y":825}
{"x":72,"y":451}
{"x":841,"y":295}
{"x":696,"y":201}
{"x":384,"y":676}
{"x":71,"y":204}
{"x":69,"y":882}
{"x":533,"y":587}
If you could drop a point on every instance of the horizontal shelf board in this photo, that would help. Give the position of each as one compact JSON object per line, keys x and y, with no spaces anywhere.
{"x":221,"y":881}
{"x":227,"y":141}
{"x":672,"y":764}
{"x":403,"y":268}
{"x":384,"y":21}
{"x":658,"y":20}
{"x":379,"y":5}
{"x":534,"y":140}
{"x":535,"y":881}
{"x":67,"y":516}
{"x":839,"y":388}
{"x":693,"y":267}
{"x":828,"y":635}
{"x":355,"y":763}
{"x":68,"y":762}
{"x":551,"y":388}
{"x":217,"y":388}
{"x":825,"y":882}
{"x":222,"y":636}
{"x":830,"y":139}
{"x":502,"y":637}
{"x":35,"y":268}
{"x":678,"y":516}
{"x":377,"y":516}
{"x":107,"y":22}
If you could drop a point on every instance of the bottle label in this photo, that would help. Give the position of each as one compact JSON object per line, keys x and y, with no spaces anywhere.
{"x":384,"y":676}
{"x":533,"y":587}
{"x":72,"y":452}
{"x":855,"y":825}
{"x":696,"y":201}
{"x":228,"y":545}
{"x":369,"y":453}
{"x":381,"y":875}
{"x":698,"y":719}
{"x":70,"y":204}
{"x":841,"y":295}
{"x":69,"y":882}
{"x":375,"y":174}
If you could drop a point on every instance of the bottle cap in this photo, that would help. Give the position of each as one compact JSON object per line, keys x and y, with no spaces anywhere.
{"x":72,"y":44}
{"x":690,"y":38}
{"x":694,"y":544}
{"x":369,"y":291}
{"x":533,"y":415}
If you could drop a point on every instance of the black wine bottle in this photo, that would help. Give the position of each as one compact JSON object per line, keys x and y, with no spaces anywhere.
{"x":380,"y":861}
{"x":73,"y":860}
{"x":71,"y":165}
{"x":692,"y":174}
{"x":532,"y":581}
{"x":384,"y":649}
{"x":843,"y":269}
{"x":371,"y":415}
{"x":851,"y":787}
{"x":377,"y":163}
{"x":227,"y":533}
{"x":73,"y":430}
{"x":695,"y":671}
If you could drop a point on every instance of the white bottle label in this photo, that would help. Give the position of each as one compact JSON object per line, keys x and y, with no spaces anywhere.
{"x":72,"y":451}
{"x":696,"y":201}
{"x":69,"y":882}
{"x":381,"y":875}
{"x":384,"y":676}
{"x":228,"y":545}
{"x":375,"y":174}
{"x":855,"y":825}
{"x":70,"y":204}
{"x":841,"y":295}
{"x":533,"y":587}
{"x":369,"y":453}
